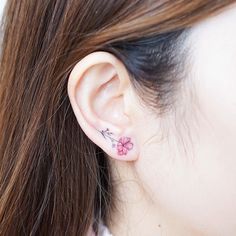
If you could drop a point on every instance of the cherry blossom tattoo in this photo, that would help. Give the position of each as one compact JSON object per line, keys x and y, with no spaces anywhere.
{"x":123,"y":145}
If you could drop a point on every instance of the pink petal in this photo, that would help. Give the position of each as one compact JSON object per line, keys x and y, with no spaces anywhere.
{"x":126,"y":139}
{"x":120,"y":152}
{"x":120,"y":144}
{"x":129,"y":145}
{"x":125,"y":151}
{"x":121,"y":140}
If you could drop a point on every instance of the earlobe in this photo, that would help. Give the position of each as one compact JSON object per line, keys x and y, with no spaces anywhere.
{"x":122,"y":145}
{"x":98,"y":89}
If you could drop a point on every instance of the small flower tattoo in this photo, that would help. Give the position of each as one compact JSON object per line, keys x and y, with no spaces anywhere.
{"x":123,"y":145}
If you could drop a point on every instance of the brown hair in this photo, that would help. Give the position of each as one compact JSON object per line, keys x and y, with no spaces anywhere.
{"x":53,"y":179}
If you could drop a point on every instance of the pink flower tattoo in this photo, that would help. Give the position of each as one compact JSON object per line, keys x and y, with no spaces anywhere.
{"x":123,"y":145}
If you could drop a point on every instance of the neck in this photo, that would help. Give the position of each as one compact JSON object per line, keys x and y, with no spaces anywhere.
{"x":136,"y":213}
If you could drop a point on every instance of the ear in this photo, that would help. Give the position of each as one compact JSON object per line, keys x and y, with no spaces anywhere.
{"x":100,"y":93}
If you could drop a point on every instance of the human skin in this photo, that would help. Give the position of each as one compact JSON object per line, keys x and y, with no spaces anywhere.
{"x":179,"y":178}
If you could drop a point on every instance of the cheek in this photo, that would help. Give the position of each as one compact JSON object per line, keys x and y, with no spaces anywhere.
{"x":199,"y":193}
{"x":215,"y":150}
{"x":199,"y":189}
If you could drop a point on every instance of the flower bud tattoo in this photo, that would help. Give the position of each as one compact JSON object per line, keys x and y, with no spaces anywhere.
{"x":123,"y":145}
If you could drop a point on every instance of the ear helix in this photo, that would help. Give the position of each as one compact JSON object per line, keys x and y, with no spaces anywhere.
{"x":122,"y":145}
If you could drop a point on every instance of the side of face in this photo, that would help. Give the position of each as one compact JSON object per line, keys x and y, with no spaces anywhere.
{"x":192,"y":171}
{"x":186,"y":160}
